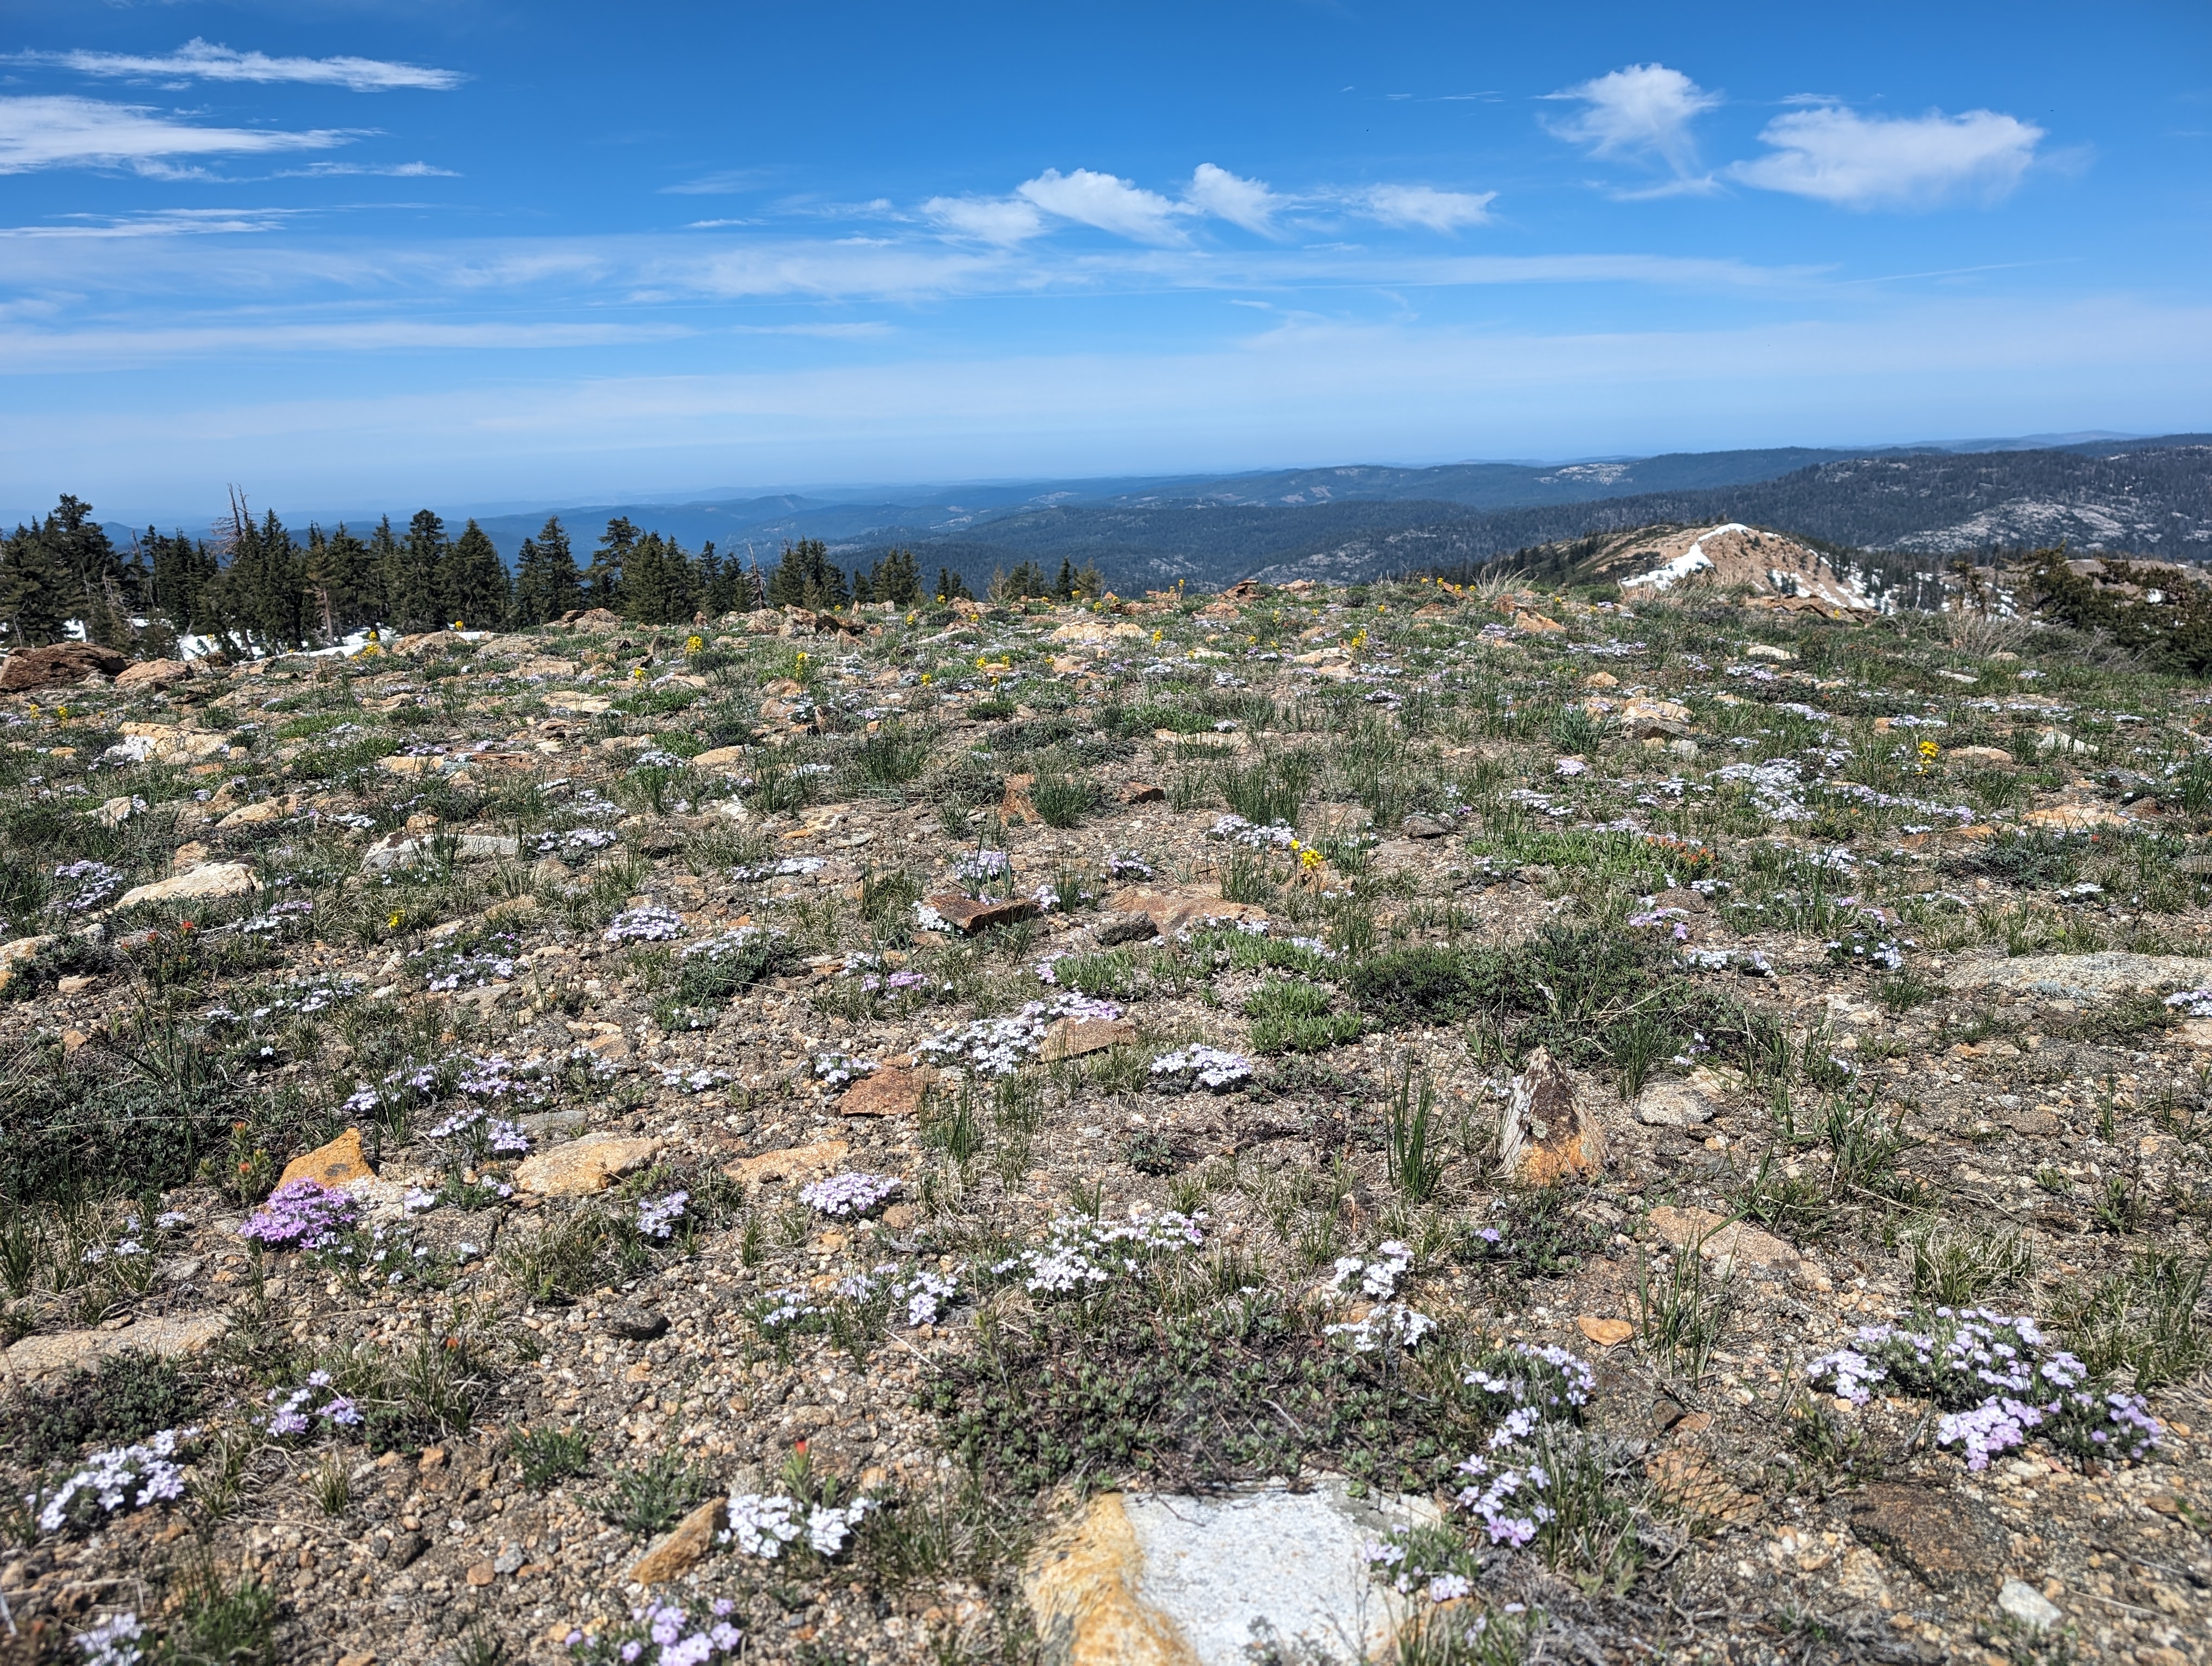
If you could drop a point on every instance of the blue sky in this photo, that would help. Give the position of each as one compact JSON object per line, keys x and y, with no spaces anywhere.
{"x":372,"y":253}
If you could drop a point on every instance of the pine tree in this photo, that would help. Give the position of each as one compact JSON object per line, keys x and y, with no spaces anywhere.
{"x":603,"y":580}
{"x":344,"y":582}
{"x":384,"y":551}
{"x":720,"y":581}
{"x":658,"y":582}
{"x":864,"y":586}
{"x":897,"y":580}
{"x":182,"y":569}
{"x":264,"y":585}
{"x":1090,"y":583}
{"x":950,"y":587}
{"x":473,"y":580}
{"x":805,"y":577}
{"x":546,"y":583}
{"x":33,"y":591}
{"x":412,"y":592}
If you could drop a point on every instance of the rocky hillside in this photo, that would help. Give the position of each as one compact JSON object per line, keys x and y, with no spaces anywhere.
{"x":1479,"y":1128}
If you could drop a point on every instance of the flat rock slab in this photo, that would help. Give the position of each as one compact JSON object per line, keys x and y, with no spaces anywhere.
{"x":208,"y":881}
{"x":2084,"y":977}
{"x":583,"y":1167}
{"x":1146,"y":1580}
{"x":1074,"y":1038}
{"x":969,"y":915}
{"x":1713,"y":1234}
{"x":83,"y":1350}
{"x":1947,"y":1540}
{"x":797,"y":1165}
{"x":1174,"y":911}
{"x":892,"y":1091}
{"x":396,"y":850}
{"x":341,"y":1161}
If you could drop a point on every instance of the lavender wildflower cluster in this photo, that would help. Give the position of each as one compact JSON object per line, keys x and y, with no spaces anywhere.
{"x":978,"y":868}
{"x":291,"y":1413}
{"x":1208,"y":1067}
{"x":96,"y":882}
{"x":1528,"y":1388}
{"x":838,"y":1069}
{"x":576,"y":839}
{"x":303,"y":1215}
{"x":1127,"y":866}
{"x":1996,"y":1380}
{"x":122,"y":1477}
{"x":849,"y":1197}
{"x":469,"y":968}
{"x":1238,"y":831}
{"x":650,"y":924}
{"x":1425,"y":1561}
{"x":1385,"y":1321}
{"x":762,"y":1524}
{"x":677,"y":1636}
{"x":113,"y":1642}
{"x":657,"y":1216}
{"x":1081,"y":1253}
{"x":789,"y":867}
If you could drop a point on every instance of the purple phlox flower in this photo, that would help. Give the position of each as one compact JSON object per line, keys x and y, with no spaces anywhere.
{"x":849,"y":1196}
{"x":302,"y":1215}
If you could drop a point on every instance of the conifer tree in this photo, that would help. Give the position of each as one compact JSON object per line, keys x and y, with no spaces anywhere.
{"x":183,"y":567}
{"x":658,"y":582}
{"x":603,"y":580}
{"x":384,"y":553}
{"x":473,"y":580}
{"x":897,"y":580}
{"x":950,"y":587}
{"x":719,"y":581}
{"x":33,"y":589}
{"x":805,"y":577}
{"x":546,"y":583}
{"x":412,"y":599}
{"x":344,"y":582}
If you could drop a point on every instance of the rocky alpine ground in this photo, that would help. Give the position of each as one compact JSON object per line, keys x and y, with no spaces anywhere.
{"x":612,"y":1144}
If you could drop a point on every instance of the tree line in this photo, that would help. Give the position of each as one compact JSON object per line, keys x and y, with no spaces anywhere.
{"x":257,"y":584}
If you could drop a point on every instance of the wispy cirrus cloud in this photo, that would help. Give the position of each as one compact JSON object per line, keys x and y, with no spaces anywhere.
{"x":1834,"y":155}
{"x":202,"y":60}
{"x":396,"y":171}
{"x":1425,"y":206}
{"x":1107,"y":202}
{"x":64,"y":131}
{"x":1642,"y":112}
{"x":1246,"y":202}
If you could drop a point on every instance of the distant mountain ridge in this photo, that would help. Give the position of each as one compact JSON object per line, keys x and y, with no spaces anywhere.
{"x":2153,"y":495}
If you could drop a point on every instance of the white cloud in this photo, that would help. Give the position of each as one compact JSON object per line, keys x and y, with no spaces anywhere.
{"x":396,"y":171}
{"x":75,"y":132}
{"x":1246,"y":202}
{"x":1643,"y":111}
{"x":1111,"y":204}
{"x":200,"y":60}
{"x":1425,"y":206}
{"x":1002,"y":219}
{"x":1837,"y":155}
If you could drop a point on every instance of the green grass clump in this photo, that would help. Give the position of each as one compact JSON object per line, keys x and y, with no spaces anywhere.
{"x":1292,"y":1017}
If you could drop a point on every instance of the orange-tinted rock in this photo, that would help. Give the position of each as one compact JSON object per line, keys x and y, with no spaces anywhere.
{"x":334,"y":1165}
{"x":1549,"y":1134}
{"x":892,"y":1091}
{"x":970,"y":915}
